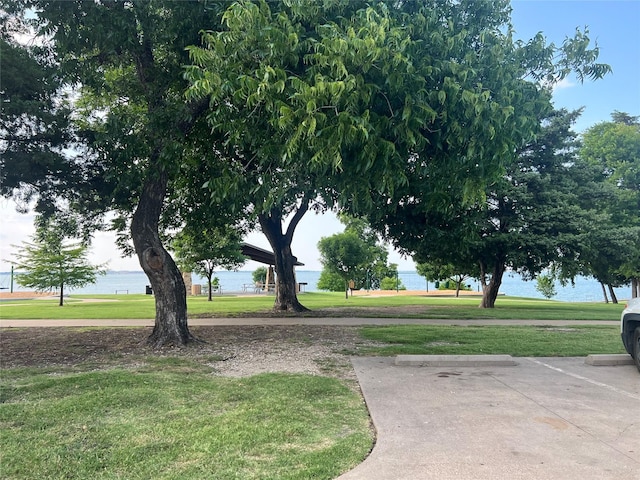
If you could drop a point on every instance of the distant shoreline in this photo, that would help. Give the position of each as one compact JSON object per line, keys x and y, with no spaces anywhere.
{"x":135,"y":282}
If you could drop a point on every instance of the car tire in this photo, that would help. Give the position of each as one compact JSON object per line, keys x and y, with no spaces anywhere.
{"x":636,"y":347}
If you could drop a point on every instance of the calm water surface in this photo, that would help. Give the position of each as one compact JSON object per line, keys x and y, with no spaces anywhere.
{"x":585,"y":290}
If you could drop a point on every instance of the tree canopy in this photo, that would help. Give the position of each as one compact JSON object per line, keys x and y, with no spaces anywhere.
{"x":612,"y":150}
{"x":289,"y":106}
{"x":34,"y":126}
{"x":531,"y":216}
{"x":125,"y":62}
{"x":333,"y":103}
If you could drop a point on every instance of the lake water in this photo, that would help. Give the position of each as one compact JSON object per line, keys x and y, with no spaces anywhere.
{"x":585,"y":290}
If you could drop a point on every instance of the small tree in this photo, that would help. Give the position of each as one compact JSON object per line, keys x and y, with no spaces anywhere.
{"x":204,"y":252}
{"x":546,"y":286}
{"x":427,"y":271}
{"x":435,"y":270}
{"x":49,"y":263}
{"x":344,"y":254}
{"x":392,"y":283}
{"x":372,"y":271}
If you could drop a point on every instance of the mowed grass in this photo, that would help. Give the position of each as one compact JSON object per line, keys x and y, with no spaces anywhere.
{"x":519,"y":341}
{"x":81,"y":306}
{"x":333,"y":304}
{"x":178,"y":422}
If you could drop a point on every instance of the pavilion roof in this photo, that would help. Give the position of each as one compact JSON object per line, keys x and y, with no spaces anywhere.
{"x":261,"y":255}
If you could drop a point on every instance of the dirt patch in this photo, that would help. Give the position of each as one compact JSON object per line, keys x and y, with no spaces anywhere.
{"x":229,"y":350}
{"x":4,"y":295}
{"x":414,"y":293}
{"x":396,"y":311}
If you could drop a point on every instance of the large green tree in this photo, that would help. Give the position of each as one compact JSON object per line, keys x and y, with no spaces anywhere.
{"x":125,"y":59}
{"x":333,"y":102}
{"x":530,"y":219}
{"x":612,"y":149}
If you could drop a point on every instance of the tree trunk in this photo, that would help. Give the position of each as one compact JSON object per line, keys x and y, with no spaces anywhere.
{"x":491,"y":288}
{"x":614,"y":299}
{"x":604,"y":292}
{"x":271,"y":224}
{"x":165,"y":277}
{"x":346,"y":290}
{"x":210,"y":297}
{"x":458,"y":289}
{"x":635,"y":288}
{"x":61,"y":303}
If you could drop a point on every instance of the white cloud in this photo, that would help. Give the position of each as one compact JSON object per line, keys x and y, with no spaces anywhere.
{"x":563,"y":84}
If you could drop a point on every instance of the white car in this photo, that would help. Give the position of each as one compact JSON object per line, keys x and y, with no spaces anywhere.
{"x":630,"y":329}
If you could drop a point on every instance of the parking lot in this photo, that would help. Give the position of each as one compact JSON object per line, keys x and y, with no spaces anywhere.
{"x":543,"y":418}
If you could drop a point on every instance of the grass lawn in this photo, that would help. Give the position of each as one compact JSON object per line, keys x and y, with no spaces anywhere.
{"x":178,"y":422}
{"x":519,"y":341}
{"x":326,"y":304}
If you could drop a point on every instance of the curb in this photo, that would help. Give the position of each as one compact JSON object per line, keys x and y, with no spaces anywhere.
{"x":609,"y":360}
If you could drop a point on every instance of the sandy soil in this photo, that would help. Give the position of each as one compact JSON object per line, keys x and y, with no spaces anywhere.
{"x":430,"y":293}
{"x":6,"y":295}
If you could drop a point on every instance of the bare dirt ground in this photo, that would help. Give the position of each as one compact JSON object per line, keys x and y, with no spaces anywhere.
{"x":5,"y":295}
{"x":229,"y":350}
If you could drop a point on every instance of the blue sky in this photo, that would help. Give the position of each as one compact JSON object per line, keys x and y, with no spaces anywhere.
{"x":614,"y":24}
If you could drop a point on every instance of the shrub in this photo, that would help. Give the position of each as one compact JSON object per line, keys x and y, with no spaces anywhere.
{"x":330,"y":281}
{"x":546,"y":286}
{"x":389,"y":283}
{"x":259,"y":275}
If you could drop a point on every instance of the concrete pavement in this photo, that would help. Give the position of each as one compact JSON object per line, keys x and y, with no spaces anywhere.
{"x":544,"y":418}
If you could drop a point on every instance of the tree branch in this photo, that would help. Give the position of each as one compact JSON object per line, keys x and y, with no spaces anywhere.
{"x":296,"y":219}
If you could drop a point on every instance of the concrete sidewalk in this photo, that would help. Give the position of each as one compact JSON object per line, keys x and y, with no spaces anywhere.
{"x":551,"y":418}
{"x":346,"y":321}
